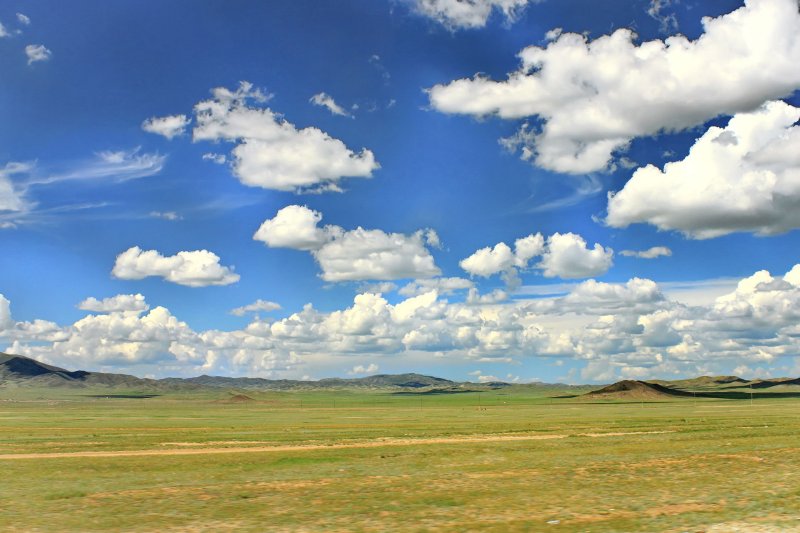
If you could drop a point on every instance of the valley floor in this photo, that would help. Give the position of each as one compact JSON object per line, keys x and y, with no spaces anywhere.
{"x":378,"y":462}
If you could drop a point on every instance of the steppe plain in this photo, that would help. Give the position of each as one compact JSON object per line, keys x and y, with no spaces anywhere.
{"x":511,"y":458}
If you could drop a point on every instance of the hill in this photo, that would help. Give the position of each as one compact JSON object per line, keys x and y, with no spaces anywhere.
{"x":636,"y":390}
{"x":20,"y":371}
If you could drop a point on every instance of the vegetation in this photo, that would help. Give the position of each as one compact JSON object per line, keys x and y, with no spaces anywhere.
{"x":510,"y":459}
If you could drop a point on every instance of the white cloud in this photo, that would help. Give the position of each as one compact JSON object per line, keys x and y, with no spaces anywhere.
{"x":199,"y":268}
{"x":744,"y":177}
{"x":116,"y":165}
{"x":489,"y":261}
{"x":256,"y":307}
{"x":362,"y":254}
{"x":121,"y":303}
{"x":668,"y":21}
{"x":650,"y":253}
{"x":6,"y":322}
{"x":271,"y":152}
{"x":327,"y":101}
{"x":565,"y":256}
{"x":639,"y":296}
{"x":568,"y":257}
{"x":351,"y":255}
{"x":594,"y":97}
{"x":20,"y":181}
{"x":3,"y":31}
{"x":461,"y":14}
{"x":294,"y":226}
{"x":372,"y":368}
{"x":215,"y":158}
{"x":382,"y":287}
{"x":440,"y":285}
{"x":37,"y":52}
{"x":618,"y":329}
{"x":11,"y":198}
{"x":169,"y":127}
{"x":166,"y":215}
{"x":23,"y":19}
{"x":496,"y":296}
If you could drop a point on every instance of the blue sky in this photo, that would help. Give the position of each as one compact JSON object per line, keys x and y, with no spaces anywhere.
{"x":511,"y":189}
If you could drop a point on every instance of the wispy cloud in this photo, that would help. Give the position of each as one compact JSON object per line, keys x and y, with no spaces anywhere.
{"x":166,"y":215}
{"x":582,"y":188}
{"x":327,"y":101}
{"x":21,"y":183}
{"x":117,"y":166}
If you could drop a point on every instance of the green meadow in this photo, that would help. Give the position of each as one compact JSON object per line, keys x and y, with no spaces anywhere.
{"x":515,"y":459}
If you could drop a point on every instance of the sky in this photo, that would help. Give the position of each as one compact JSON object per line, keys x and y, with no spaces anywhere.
{"x":518,"y":190}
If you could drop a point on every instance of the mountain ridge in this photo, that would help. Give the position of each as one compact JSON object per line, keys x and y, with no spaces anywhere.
{"x":22,"y":371}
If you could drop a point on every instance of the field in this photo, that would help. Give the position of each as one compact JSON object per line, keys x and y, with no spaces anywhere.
{"x":506,"y":460}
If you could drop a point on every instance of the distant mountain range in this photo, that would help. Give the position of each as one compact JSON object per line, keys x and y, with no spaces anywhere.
{"x":20,"y":371}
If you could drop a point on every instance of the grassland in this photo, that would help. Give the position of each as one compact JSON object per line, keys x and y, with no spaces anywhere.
{"x":507,"y":460}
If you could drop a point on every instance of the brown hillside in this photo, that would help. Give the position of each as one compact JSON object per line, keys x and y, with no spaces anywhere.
{"x":635,"y":390}
{"x":237,"y":398}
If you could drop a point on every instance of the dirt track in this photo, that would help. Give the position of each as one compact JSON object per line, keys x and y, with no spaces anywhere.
{"x":304,"y":447}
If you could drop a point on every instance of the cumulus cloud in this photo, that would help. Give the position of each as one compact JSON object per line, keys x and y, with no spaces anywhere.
{"x":121,"y":303}
{"x":617,"y":329}
{"x":3,"y":31}
{"x":461,"y":14}
{"x":568,"y":257}
{"x":6,"y":322}
{"x":169,"y":127}
{"x":363,"y":369}
{"x":199,"y":268}
{"x":270,"y":151}
{"x":562,"y":255}
{"x":489,"y":261}
{"x":351,"y":255}
{"x":36,"y":53}
{"x":591,"y":98}
{"x":440,"y":285}
{"x":23,"y":19}
{"x":325,"y":100}
{"x":256,"y":307}
{"x":636,"y":296}
{"x":650,"y":253}
{"x":500,"y":258}
{"x":296,"y":227}
{"x":377,"y":288}
{"x":743,"y":177}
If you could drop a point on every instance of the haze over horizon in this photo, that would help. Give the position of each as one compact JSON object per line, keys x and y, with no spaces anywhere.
{"x":506,"y":190}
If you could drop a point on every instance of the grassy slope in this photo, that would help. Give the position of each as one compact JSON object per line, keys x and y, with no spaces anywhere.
{"x":712,"y":462}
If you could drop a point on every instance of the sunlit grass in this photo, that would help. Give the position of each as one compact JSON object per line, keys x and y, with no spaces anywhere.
{"x":682,"y":465}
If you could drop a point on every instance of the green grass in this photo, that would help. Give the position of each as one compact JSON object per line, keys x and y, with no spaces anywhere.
{"x":682,"y":465}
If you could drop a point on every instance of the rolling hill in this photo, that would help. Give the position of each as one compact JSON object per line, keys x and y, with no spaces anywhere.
{"x":636,"y":390}
{"x":20,"y":371}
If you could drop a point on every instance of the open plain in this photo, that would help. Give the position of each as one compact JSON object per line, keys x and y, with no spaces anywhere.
{"x":512,"y":459}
